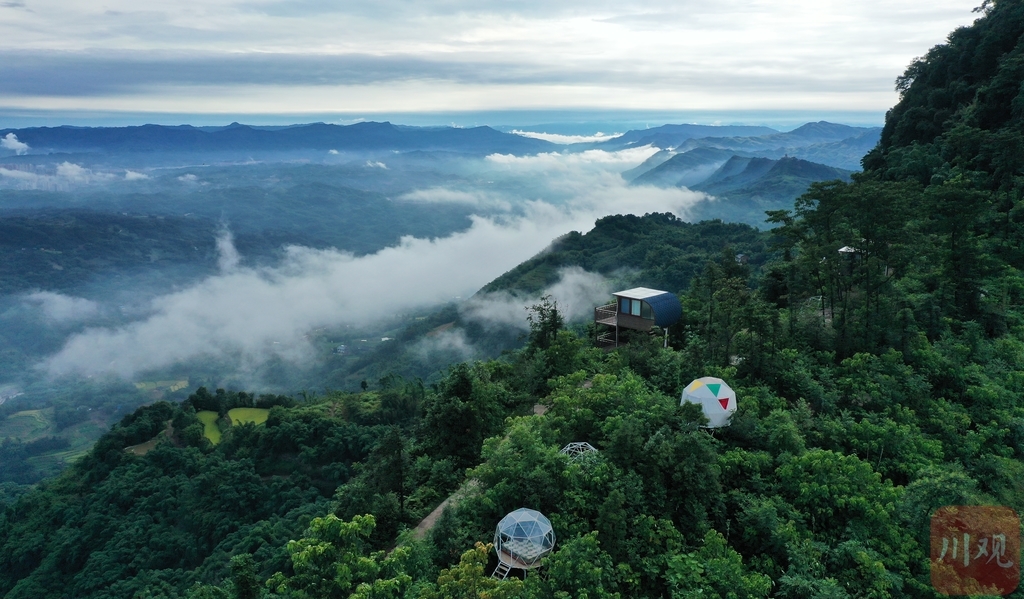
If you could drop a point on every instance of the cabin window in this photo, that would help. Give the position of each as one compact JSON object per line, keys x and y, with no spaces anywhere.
{"x":635,"y":307}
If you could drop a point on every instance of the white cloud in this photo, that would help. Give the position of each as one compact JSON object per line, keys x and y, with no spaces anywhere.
{"x":376,"y":164}
{"x":75,"y":173}
{"x":332,"y":152}
{"x":58,"y":308}
{"x":566,"y":139}
{"x":228,"y":257}
{"x":69,"y":170}
{"x":576,"y":293}
{"x":135,"y":176}
{"x":450,"y":341}
{"x":188,"y":178}
{"x":10,"y":142}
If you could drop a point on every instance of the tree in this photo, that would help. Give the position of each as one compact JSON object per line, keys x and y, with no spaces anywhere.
{"x":579,"y":569}
{"x":714,"y":570}
{"x":468,"y":580}
{"x":244,"y":577}
{"x":332,"y":559}
{"x":545,"y":322}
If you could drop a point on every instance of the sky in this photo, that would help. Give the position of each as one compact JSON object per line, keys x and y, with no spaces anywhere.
{"x":292,"y":59}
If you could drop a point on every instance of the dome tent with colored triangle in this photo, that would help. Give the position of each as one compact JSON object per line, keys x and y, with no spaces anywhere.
{"x":716,"y":398}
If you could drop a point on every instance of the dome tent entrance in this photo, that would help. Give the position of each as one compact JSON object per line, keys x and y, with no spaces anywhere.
{"x":522,"y":538}
{"x":716,"y":398}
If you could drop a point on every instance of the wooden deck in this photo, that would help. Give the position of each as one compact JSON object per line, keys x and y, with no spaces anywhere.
{"x":607,"y":315}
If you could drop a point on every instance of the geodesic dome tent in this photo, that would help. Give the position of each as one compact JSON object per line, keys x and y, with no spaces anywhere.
{"x":523,"y":537}
{"x":578,"y":450}
{"x":716,"y":398}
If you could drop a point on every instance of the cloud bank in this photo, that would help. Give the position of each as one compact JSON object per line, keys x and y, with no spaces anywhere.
{"x":64,"y":177}
{"x":566,"y":139}
{"x":297,"y":57}
{"x":10,"y":142}
{"x":61,"y":309}
{"x":576,"y":292}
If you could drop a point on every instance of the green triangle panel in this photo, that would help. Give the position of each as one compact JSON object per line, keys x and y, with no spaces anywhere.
{"x":714,"y":387}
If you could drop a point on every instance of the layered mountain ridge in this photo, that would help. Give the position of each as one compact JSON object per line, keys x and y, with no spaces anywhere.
{"x":237,"y":137}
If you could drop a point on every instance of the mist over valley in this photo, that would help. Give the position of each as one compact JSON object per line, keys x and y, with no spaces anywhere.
{"x":313,"y":256}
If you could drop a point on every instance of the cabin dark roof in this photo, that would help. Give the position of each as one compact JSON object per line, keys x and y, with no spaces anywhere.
{"x":665,"y":305}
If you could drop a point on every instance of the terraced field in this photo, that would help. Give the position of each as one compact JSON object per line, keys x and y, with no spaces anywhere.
{"x":27,"y":425}
{"x":210,"y":429}
{"x":30,"y":425}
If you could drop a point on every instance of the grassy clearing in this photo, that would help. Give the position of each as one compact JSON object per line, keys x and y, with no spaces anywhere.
{"x":210,"y":429}
{"x":253,"y":415}
{"x":143,"y":448}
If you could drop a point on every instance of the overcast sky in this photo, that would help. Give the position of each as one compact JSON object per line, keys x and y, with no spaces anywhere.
{"x":306,"y":56}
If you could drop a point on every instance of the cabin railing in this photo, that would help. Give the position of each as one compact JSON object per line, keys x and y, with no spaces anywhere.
{"x":603,"y":313}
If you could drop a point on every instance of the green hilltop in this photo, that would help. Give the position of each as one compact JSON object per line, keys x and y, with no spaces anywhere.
{"x":875,"y":340}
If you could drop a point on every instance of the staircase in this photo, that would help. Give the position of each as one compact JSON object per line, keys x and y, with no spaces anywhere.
{"x":501,"y":572}
{"x":606,"y":341}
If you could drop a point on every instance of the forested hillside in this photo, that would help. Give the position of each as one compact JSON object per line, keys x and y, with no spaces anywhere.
{"x":877,"y":358}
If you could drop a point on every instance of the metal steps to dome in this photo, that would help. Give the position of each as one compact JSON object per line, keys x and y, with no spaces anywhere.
{"x":501,"y":572}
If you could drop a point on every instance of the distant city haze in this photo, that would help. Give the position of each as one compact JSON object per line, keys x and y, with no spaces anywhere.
{"x":120,"y":62}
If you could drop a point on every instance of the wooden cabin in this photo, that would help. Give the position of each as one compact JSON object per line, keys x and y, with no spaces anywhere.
{"x":637,"y":309}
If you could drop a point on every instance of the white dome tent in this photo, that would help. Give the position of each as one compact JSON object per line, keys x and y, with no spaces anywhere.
{"x":716,"y":398}
{"x":522,"y":538}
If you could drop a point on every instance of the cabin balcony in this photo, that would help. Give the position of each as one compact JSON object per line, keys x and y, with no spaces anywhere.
{"x":605,"y":314}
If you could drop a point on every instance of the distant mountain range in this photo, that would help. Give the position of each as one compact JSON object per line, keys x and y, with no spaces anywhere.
{"x":832,"y":144}
{"x":317,"y":136}
{"x":685,"y":169}
{"x":670,"y":136}
{"x":748,"y":169}
{"x":745,"y":187}
{"x":750,"y":174}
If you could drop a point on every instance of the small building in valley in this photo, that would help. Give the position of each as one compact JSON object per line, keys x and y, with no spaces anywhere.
{"x":637,"y":309}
